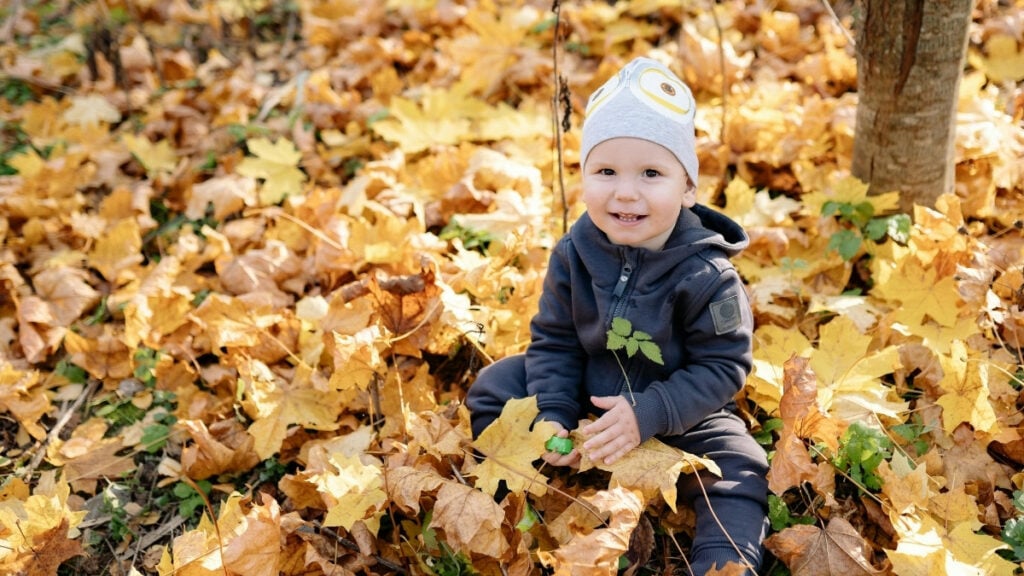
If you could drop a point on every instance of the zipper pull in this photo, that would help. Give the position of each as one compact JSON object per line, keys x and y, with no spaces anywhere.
{"x":620,"y":286}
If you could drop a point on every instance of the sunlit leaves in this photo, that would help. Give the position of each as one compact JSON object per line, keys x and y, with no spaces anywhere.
{"x":276,"y":163}
{"x":510,"y":447}
{"x":248,"y":238}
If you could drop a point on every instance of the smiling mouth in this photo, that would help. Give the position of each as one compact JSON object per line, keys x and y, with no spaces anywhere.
{"x":629,"y":217}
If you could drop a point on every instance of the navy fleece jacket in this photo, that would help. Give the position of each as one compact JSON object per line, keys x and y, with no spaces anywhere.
{"x":688,"y":297}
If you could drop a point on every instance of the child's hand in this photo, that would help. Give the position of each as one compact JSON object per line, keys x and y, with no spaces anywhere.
{"x":615,"y":433}
{"x":556,"y":459}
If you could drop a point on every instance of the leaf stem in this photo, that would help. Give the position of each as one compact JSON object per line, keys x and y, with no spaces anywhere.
{"x":632,"y":398}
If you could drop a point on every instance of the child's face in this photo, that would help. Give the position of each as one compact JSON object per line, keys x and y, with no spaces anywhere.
{"x":634,"y":190}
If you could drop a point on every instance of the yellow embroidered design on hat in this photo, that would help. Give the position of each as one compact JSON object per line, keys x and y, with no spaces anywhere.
{"x":606,"y":93}
{"x":664,"y":94}
{"x":635,"y":103}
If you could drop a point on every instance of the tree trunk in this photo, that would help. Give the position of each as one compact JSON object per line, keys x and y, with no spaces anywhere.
{"x":910,"y":56}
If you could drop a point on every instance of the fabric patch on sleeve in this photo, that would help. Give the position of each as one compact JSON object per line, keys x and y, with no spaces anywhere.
{"x":726,"y":314}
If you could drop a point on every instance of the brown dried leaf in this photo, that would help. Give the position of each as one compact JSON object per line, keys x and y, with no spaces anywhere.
{"x":223,"y":447}
{"x":810,"y":551}
{"x":470,"y":519}
{"x":652,"y":468}
{"x":597,"y":553}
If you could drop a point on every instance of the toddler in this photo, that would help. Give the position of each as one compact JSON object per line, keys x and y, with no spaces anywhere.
{"x":647,"y":252}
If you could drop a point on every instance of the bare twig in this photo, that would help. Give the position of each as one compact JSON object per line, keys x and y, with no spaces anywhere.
{"x":345,"y":542}
{"x":725,"y":76}
{"x":839,"y":23}
{"x":62,"y":421}
{"x":561,"y":96}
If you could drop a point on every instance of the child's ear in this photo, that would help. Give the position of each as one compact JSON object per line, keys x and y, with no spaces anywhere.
{"x":689,"y":194}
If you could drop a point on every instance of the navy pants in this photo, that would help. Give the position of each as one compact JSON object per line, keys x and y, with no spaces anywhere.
{"x":738,"y":499}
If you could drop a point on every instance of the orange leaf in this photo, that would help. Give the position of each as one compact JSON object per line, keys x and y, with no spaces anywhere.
{"x":49,"y":550}
{"x":801,"y":419}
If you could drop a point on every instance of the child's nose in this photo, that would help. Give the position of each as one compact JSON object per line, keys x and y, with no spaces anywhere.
{"x":626,"y":190}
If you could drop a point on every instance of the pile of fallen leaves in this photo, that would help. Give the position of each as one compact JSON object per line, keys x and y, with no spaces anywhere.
{"x":253,"y":253}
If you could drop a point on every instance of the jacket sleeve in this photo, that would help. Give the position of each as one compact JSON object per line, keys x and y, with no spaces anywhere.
{"x":717,"y":356}
{"x":555,"y":358}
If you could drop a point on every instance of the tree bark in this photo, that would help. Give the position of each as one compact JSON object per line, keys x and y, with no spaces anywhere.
{"x":910,"y":56}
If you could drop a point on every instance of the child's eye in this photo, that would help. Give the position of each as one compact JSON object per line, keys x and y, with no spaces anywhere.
{"x":606,"y":172}
{"x":651,"y":173}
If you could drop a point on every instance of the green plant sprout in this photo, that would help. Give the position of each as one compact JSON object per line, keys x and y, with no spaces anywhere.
{"x":863,"y":224}
{"x":861,"y":450}
{"x":621,"y":335}
{"x":1013,"y":531}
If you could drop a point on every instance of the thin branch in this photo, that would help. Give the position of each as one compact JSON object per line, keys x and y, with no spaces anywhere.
{"x":725,"y":77}
{"x":839,"y":23}
{"x":561,"y":96}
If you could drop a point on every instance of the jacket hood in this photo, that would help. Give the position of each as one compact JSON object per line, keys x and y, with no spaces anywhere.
{"x":697,"y":229}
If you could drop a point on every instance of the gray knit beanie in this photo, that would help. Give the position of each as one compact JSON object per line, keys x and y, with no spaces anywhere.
{"x":644,"y":100}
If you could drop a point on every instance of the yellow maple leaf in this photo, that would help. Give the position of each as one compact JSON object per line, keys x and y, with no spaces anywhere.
{"x":773,"y":346}
{"x":353,"y":492}
{"x":28,"y":163}
{"x":357,"y":358}
{"x":35,"y":525}
{"x":155,"y":158}
{"x":955,"y":506}
{"x":906,"y":487}
{"x":920,"y":293}
{"x":497,"y":49}
{"x":757,"y":208}
{"x":374,"y":240}
{"x":1002,"y":58}
{"x":118,"y":250}
{"x":277,"y":165}
{"x":939,"y":338}
{"x":275,"y":405}
{"x":148,"y":318}
{"x":92,"y":109}
{"x":965,"y":380}
{"x":925,"y":548}
{"x":227,"y":194}
{"x":442,"y":118}
{"x":228,"y":322}
{"x":241,"y":542}
{"x":849,"y":372}
{"x":510,"y":446}
{"x":651,"y":468}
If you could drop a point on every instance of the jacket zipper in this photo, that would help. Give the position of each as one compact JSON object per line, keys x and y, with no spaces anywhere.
{"x":618,"y":306}
{"x":625,"y":272}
